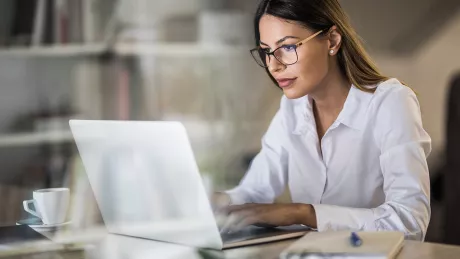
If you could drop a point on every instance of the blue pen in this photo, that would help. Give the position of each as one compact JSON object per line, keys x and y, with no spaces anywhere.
{"x":355,"y":240}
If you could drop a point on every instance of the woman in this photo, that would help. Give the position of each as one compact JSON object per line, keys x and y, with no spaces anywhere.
{"x":347,"y":140}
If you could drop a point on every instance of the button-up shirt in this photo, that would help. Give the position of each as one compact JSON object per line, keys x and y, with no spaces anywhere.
{"x":368,"y":172}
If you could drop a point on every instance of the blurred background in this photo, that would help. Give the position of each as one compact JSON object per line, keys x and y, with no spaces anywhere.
{"x":185,"y":60}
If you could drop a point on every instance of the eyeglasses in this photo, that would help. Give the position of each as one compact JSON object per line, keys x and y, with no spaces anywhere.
{"x":286,"y":54}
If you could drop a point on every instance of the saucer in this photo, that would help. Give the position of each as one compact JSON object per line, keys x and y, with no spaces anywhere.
{"x":37,"y":223}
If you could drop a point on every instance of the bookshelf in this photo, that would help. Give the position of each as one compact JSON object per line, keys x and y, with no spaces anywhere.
{"x":179,"y":49}
{"x":103,"y":88}
{"x":128,"y":50}
{"x":71,"y":50}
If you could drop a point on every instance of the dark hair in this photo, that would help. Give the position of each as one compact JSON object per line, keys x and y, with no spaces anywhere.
{"x":318,"y":15}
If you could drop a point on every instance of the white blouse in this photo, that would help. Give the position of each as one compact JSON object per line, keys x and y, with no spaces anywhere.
{"x":370,"y":174}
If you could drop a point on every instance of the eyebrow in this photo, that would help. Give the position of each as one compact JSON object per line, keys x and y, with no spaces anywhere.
{"x":281,"y":40}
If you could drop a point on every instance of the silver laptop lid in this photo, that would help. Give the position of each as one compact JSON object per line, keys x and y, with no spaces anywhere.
{"x":146,"y":182}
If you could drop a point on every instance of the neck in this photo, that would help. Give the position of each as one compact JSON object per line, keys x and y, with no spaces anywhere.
{"x":331,"y":94}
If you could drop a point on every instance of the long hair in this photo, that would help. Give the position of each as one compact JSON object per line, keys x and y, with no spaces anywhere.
{"x":354,"y":62}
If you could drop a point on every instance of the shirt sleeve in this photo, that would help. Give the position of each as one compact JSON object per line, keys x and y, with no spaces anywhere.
{"x":404,"y":146}
{"x":267,"y":176}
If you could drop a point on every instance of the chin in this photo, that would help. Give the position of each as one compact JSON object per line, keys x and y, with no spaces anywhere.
{"x":299,"y":89}
{"x":292,"y":93}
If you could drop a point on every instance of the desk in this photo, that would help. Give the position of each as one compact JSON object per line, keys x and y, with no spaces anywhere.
{"x":121,"y":247}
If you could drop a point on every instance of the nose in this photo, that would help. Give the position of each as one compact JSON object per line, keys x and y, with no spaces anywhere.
{"x":274,"y":65}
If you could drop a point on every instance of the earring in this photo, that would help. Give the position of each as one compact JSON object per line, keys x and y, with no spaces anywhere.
{"x":331,"y":51}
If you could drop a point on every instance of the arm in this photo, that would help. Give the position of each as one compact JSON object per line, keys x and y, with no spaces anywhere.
{"x":404,"y":147}
{"x":266,"y":177}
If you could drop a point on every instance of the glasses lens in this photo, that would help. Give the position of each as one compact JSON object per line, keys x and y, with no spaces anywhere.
{"x":260,"y":57}
{"x":286,"y":54}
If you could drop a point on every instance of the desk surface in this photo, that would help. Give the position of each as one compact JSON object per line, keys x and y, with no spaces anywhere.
{"x":115,"y":246}
{"x":411,"y":250}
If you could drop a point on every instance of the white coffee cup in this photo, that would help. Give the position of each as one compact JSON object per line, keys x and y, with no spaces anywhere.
{"x":50,"y":205}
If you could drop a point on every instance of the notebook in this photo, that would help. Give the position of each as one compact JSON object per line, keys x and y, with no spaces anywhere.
{"x":24,"y":240}
{"x":375,"y":245}
{"x":19,"y":234}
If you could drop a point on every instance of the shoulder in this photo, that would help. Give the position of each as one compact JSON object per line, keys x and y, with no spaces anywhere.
{"x":396,"y":115}
{"x":392,"y":91}
{"x":392,"y":98}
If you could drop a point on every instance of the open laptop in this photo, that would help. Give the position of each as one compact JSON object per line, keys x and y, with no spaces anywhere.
{"x":147,"y":184}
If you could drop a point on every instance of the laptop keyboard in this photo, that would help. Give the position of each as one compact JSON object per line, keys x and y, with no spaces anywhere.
{"x":248,"y":233}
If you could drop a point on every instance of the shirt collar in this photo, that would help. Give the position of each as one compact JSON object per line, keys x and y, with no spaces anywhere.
{"x":352,"y":114}
{"x":355,"y":108}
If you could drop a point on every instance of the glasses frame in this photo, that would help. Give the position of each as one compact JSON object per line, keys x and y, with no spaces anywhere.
{"x":255,"y":51}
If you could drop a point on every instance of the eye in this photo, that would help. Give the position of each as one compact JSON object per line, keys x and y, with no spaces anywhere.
{"x":289,"y":48}
{"x":264,"y":50}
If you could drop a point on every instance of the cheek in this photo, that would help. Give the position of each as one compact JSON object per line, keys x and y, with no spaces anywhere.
{"x":312,"y":67}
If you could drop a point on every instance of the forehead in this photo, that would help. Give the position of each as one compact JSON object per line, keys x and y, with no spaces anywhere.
{"x":273,"y":28}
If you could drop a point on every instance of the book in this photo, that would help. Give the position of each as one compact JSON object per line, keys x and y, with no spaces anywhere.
{"x":61,"y":22}
{"x":75,"y":21}
{"x":96,"y":15}
{"x":24,"y":240}
{"x":22,"y":23}
{"x":6,"y":19}
{"x":39,"y":23}
{"x":375,"y":245}
{"x":19,"y":234}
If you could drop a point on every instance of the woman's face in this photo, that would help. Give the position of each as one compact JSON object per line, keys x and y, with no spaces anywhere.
{"x":306,"y":75}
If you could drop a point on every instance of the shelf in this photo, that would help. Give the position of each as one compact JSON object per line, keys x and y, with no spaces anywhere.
{"x":179,"y":49}
{"x":28,"y":139}
{"x":128,"y":49}
{"x":54,"y":51}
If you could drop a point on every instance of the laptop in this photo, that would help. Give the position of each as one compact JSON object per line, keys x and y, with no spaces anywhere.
{"x":147,"y":184}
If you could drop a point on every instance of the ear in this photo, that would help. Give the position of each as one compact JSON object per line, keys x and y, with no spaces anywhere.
{"x":335,"y":40}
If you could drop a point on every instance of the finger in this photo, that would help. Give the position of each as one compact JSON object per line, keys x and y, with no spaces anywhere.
{"x":220,"y":200}
{"x":243,"y":215}
{"x":219,"y":210}
{"x":222,"y":215}
{"x":233,"y":219}
{"x":246,"y":221}
{"x":220,"y":220}
{"x":228,"y":223}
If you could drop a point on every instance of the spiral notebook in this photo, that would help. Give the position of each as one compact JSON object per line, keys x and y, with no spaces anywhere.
{"x":375,"y":245}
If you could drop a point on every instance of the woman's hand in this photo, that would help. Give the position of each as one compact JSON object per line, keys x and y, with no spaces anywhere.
{"x":220,"y":200}
{"x":240,"y":216}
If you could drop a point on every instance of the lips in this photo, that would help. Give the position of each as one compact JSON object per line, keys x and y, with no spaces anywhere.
{"x":285,"y":82}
